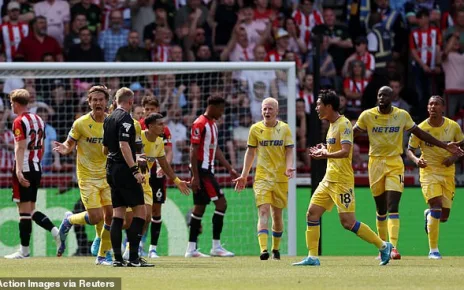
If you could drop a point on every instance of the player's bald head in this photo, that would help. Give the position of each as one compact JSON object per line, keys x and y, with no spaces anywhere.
{"x":386,"y":90}
{"x":271,"y":101}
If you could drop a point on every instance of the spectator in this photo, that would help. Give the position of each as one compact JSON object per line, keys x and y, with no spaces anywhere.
{"x":241,"y":133}
{"x":161,"y":45}
{"x":63,"y":105}
{"x":137,"y":112}
{"x":114,"y":5}
{"x":282,"y":43}
{"x":254,"y":29}
{"x":194,"y":106}
{"x":86,"y":50}
{"x":327,"y":69}
{"x":259,"y":84}
{"x":142,"y":14}
{"x":161,"y":20}
{"x":132,"y":52}
{"x":50,"y":159}
{"x":302,"y":119}
{"x":363,"y":55}
{"x":78,"y":21}
{"x":196,"y":36}
{"x":57,"y":14}
{"x":411,"y":8}
{"x":12,"y":31}
{"x":295,"y":43}
{"x":307,"y":17}
{"x":37,"y":43}
{"x":425,"y":43}
{"x":225,"y":17}
{"x":380,"y":43}
{"x":6,"y":142}
{"x":453,"y":67}
{"x":92,"y":13}
{"x":34,"y":105}
{"x":339,"y":39}
{"x":262,"y":13}
{"x":350,"y":115}
{"x":175,"y":54}
{"x":225,"y":139}
{"x":306,"y":92}
{"x":397,"y":101}
{"x":168,"y":94}
{"x":354,"y":85}
{"x":183,"y":16}
{"x":111,"y":39}
{"x":26,"y":11}
{"x":239,"y":47}
{"x":449,"y":17}
{"x":178,"y":134}
{"x":458,"y":28}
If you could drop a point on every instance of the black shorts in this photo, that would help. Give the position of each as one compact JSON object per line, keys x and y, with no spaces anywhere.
{"x":209,"y":188}
{"x":24,"y":194}
{"x":158,"y":187}
{"x":125,"y":191}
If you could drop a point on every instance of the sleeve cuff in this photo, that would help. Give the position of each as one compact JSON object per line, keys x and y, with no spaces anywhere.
{"x":412,"y":128}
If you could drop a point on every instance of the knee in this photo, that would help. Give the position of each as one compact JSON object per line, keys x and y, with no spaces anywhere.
{"x":347,"y":224}
{"x":393,"y":207}
{"x":311,"y":216}
{"x":221,"y":205}
{"x":95,"y":217}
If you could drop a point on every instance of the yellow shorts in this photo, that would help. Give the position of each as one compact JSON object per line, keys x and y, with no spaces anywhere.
{"x":329,"y":193}
{"x":439,"y":186}
{"x":273,"y":193}
{"x":386,"y":174}
{"x":147,"y":193}
{"x":95,"y":193}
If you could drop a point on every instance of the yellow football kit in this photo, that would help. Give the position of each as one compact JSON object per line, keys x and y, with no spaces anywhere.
{"x":437,"y":179}
{"x":271,"y":183}
{"x":337,"y":187}
{"x":385,"y":131}
{"x":91,"y":162}
{"x":152,"y":150}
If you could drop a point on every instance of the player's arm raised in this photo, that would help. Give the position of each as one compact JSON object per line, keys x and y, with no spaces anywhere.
{"x":424,"y":136}
{"x":220,"y":157}
{"x":181,"y":184}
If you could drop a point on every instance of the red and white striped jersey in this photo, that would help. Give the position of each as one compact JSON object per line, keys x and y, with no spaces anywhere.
{"x":6,"y":155}
{"x":426,"y":44}
{"x":12,"y":34}
{"x":30,"y":127}
{"x":306,"y":23}
{"x":355,"y":86}
{"x":446,"y":21}
{"x":368,"y":59}
{"x":205,"y":134}
{"x":161,"y":53}
{"x":273,"y":56}
{"x":308,"y":98}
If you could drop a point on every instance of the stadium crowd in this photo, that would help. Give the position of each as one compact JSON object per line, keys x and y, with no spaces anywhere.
{"x":414,"y":46}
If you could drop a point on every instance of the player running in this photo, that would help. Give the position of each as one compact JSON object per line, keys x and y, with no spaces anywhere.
{"x":436,"y":169}
{"x":272,"y":140}
{"x":87,"y":135}
{"x":337,"y":187}
{"x":29,"y":133}
{"x":385,"y":126}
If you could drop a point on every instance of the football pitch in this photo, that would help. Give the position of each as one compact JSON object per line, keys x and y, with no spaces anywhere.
{"x":250,"y":273}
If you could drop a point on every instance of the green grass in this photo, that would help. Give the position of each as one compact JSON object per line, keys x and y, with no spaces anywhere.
{"x":245,"y":273}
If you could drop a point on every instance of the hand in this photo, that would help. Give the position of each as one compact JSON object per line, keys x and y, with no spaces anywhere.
{"x":195,"y":183}
{"x":318,"y":153}
{"x":437,"y":70}
{"x":421,"y":163}
{"x":240,"y":183}
{"x":450,"y":160}
{"x":197,"y":13}
{"x":240,"y":17}
{"x":161,"y":14}
{"x":140,"y":178}
{"x":454,"y":149}
{"x":426,"y":69}
{"x":60,"y":148}
{"x":182,"y":89}
{"x":233,"y":173}
{"x":142,"y":163}
{"x":23,"y":181}
{"x":290,"y":172}
{"x":57,"y":165}
{"x":160,"y":172}
{"x":183,"y":187}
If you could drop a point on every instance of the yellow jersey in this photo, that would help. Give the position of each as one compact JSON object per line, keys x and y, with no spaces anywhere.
{"x":340,"y":169}
{"x":88,"y":134}
{"x":138,"y":131}
{"x":152,"y":150}
{"x":271,"y":143}
{"x":449,"y":131}
{"x":385,"y":131}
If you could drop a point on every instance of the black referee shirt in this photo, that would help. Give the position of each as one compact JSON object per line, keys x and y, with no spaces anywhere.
{"x":119,"y":126}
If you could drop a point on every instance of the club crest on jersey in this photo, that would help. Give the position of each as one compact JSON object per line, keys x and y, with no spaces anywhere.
{"x":331,"y":140}
{"x":17,"y":132}
{"x":126,"y":126}
{"x":196,"y":132}
{"x":90,"y":126}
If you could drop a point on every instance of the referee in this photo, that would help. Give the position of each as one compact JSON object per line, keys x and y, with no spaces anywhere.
{"x":124,"y":178}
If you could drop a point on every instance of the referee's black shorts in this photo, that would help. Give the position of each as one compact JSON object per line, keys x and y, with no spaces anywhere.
{"x":125,"y":191}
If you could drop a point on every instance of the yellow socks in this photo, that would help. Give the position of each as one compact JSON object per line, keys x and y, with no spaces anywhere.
{"x":105,"y":244}
{"x":276,"y":236}
{"x":433,"y":227}
{"x":364,"y":232}
{"x":313,"y":233}
{"x":262,"y":240}
{"x":382,"y":229}
{"x":80,"y":219}
{"x":393,"y":228}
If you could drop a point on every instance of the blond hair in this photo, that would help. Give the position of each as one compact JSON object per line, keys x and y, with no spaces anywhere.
{"x":123,"y":95}
{"x":271,"y":101}
{"x":20,"y":96}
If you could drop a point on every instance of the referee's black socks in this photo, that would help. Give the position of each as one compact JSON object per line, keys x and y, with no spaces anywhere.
{"x":116,"y":237}
{"x":135,"y":233}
